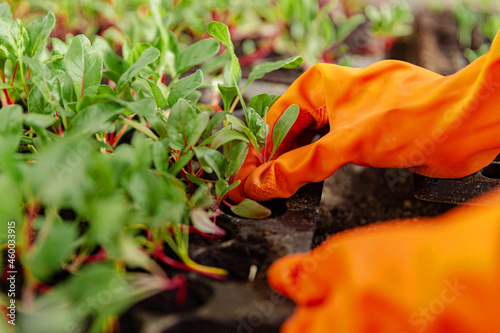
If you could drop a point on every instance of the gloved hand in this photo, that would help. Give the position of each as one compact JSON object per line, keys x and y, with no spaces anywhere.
{"x":434,"y":275}
{"x":391,"y":114}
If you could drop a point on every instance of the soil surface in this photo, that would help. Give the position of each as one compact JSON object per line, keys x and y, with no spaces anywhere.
{"x":355,"y":196}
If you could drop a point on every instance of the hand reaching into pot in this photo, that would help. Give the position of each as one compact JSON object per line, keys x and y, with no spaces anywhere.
{"x":390,"y":114}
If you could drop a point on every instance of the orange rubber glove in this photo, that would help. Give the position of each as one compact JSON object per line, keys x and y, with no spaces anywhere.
{"x":391,"y":114}
{"x":434,"y":275}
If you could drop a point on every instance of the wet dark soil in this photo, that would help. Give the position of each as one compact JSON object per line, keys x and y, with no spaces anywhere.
{"x":355,"y":196}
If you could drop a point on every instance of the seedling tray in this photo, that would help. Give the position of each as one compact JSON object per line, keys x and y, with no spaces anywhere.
{"x":244,"y":302}
{"x":461,"y":190}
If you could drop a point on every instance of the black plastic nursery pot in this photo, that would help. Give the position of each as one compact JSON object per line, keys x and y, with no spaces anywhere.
{"x":243,"y":302}
{"x":461,"y":190}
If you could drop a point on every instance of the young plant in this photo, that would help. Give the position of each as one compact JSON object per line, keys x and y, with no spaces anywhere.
{"x":390,"y":20}
{"x":483,"y":17}
{"x":108,"y":159}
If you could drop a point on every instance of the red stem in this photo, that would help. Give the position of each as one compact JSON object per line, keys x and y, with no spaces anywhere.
{"x":5,"y":91}
{"x":261,"y":53}
{"x":178,"y":282}
{"x":30,"y":217}
{"x":158,"y":253}
{"x":99,"y":256}
{"x":42,"y":288}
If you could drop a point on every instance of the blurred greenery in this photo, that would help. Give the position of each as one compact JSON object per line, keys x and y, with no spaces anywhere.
{"x":317,"y":30}
{"x":107,"y":157}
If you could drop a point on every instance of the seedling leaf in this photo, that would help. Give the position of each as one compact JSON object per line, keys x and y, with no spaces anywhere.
{"x":147,"y":57}
{"x":251,"y":209}
{"x":221,"y":32}
{"x":185,"y":86}
{"x":195,"y":54}
{"x":202,"y":222}
{"x":262,"y":69}
{"x":211,"y":160}
{"x":38,"y":32}
{"x":283,"y":125}
{"x":228,"y":93}
{"x":84,"y":66}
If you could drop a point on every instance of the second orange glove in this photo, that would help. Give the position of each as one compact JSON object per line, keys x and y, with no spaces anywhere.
{"x":434,"y":275}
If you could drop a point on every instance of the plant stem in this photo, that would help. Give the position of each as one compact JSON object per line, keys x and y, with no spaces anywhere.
{"x":218,"y":274}
{"x":5,"y":91}
{"x":30,"y":217}
{"x":14,"y":74}
{"x":23,"y":79}
{"x":139,"y":127}
{"x":114,"y":140}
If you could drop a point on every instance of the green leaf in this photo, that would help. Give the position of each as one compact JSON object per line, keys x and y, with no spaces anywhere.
{"x":349,"y":26}
{"x":147,"y":57}
{"x":159,"y":123}
{"x":49,"y":253}
{"x":9,"y":32}
{"x":5,"y":11}
{"x":104,"y":89}
{"x":11,"y":205}
{"x":194,"y":97}
{"x":184,"y":126}
{"x":10,"y":128}
{"x":160,"y":155}
{"x":181,"y":163}
{"x":159,"y":197}
{"x":38,"y":32}
{"x":6,"y":86}
{"x":215,"y":121}
{"x":211,"y":160}
{"x":136,"y":52}
{"x":283,"y":125}
{"x":201,"y":221}
{"x":221,"y":32}
{"x":95,"y":118}
{"x":195,"y":54}
{"x":140,"y":127}
{"x":59,"y":47}
{"x":251,"y":210}
{"x":260,"y":103}
{"x":145,"y":107}
{"x":256,"y":124}
{"x":37,"y":120}
{"x":111,"y":60}
{"x":185,"y":86}
{"x":262,"y":69}
{"x":238,"y":153}
{"x":228,"y":93}
{"x":222,"y":188}
{"x":202,"y":197}
{"x":226,"y":136}
{"x":215,"y":63}
{"x":107,"y":217}
{"x":84,"y":66}
{"x":237,"y":123}
{"x":160,"y":100}
{"x":47,"y":83}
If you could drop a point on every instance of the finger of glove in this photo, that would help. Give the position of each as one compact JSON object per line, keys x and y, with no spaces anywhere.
{"x":291,"y":277}
{"x":282,"y":177}
{"x":308,"y":92}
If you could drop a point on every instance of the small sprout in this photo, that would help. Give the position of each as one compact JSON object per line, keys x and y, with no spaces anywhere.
{"x":252,"y":273}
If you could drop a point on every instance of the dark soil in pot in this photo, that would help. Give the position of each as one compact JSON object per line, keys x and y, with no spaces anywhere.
{"x":244,"y":302}
{"x":355,"y":196}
